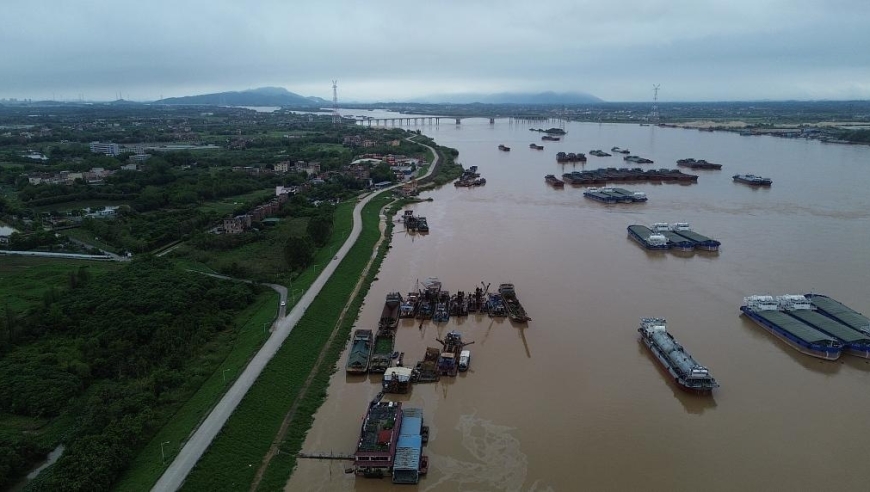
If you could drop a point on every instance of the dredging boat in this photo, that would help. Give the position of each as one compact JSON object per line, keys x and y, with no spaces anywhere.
{"x":686,"y":372}
{"x":647,"y":238}
{"x":768,"y":312}
{"x":495,"y":306}
{"x":553,"y":181}
{"x":360,"y":352}
{"x":691,"y":163}
{"x":422,"y":225}
{"x":515,"y":310}
{"x":442,"y":307}
{"x":452,"y":345}
{"x":752,"y":180}
{"x":408,"y":307}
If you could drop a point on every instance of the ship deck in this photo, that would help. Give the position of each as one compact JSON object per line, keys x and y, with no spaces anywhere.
{"x":678,"y":240}
{"x":831,"y":326}
{"x":841,"y":312}
{"x":794,"y":326}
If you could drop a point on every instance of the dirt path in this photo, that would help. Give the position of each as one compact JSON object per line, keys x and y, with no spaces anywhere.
{"x":291,"y":413}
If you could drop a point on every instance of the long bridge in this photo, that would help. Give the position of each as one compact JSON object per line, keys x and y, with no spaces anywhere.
{"x":436,"y":120}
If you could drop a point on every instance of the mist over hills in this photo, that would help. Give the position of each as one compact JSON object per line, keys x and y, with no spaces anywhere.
{"x":548,"y":97}
{"x":262,"y":96}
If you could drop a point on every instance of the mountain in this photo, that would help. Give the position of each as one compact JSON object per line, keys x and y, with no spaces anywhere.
{"x":263,"y":96}
{"x":548,"y":97}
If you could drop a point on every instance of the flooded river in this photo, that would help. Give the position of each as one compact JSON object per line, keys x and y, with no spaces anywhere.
{"x":573,"y":400}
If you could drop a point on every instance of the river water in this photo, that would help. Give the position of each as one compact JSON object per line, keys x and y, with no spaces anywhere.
{"x":573,"y":400}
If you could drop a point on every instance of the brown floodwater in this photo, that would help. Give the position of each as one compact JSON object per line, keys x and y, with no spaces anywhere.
{"x":573,"y":401}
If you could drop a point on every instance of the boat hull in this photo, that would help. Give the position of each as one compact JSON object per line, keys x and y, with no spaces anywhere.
{"x":826,"y":353}
{"x":645,"y":244}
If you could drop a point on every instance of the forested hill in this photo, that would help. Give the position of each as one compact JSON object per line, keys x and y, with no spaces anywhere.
{"x":109,"y":352}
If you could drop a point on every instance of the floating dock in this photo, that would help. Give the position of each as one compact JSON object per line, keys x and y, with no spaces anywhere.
{"x":840,"y":312}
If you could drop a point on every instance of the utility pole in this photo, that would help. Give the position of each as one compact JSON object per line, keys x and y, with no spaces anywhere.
{"x":336,"y":117}
{"x":654,"y":114}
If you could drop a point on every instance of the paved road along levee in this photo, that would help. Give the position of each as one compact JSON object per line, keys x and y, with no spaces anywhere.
{"x":193,"y":449}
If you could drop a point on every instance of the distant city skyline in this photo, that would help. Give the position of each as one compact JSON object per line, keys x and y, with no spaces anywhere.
{"x":386,"y":50}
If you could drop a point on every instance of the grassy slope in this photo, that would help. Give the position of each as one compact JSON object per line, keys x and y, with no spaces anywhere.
{"x":23,"y":281}
{"x":232,"y":459}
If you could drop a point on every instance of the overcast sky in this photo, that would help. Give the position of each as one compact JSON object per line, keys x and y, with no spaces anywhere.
{"x":384,"y":50}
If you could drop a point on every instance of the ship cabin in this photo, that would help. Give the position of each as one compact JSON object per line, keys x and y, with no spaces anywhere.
{"x":378,"y":439}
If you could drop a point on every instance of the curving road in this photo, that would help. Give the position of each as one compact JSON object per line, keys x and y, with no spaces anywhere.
{"x":193,"y":449}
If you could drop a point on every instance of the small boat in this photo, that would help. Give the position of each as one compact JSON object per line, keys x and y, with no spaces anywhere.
{"x":752,"y":180}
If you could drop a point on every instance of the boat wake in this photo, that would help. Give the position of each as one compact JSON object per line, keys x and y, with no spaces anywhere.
{"x":498,"y":462}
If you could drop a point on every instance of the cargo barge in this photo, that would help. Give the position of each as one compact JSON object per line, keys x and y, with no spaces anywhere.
{"x":840,"y":312}
{"x":685,"y":371}
{"x":570,"y":157}
{"x":691,"y":163}
{"x":615,"y":195}
{"x":390,"y":314}
{"x":766,"y":312}
{"x":360,"y":352}
{"x":752,"y":180}
{"x":675,"y":241}
{"x":551,"y":138}
{"x":620,"y":151}
{"x":637,"y":159}
{"x":504,"y":147}
{"x":611,"y":174}
{"x":535,"y":146}
{"x":854,"y":342}
{"x":515,"y":310}
{"x":647,"y":238}
{"x":701,"y":241}
{"x":599,"y":153}
{"x":553,"y":181}
{"x":382,"y":354}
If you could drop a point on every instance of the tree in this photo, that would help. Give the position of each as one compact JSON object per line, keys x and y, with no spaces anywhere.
{"x":299,"y":251}
{"x":320,"y":228}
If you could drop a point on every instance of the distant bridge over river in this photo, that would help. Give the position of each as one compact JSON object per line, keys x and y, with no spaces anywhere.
{"x":436,"y":120}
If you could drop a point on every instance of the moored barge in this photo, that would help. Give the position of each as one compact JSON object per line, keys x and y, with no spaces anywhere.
{"x":504,"y":147}
{"x":390,"y":313}
{"x":767,"y":313}
{"x":701,"y":242}
{"x":675,"y":241}
{"x":515,"y":310}
{"x":752,"y":180}
{"x":360,"y":352}
{"x":647,"y":238}
{"x":535,"y":146}
{"x":855,"y":342}
{"x":683,"y":368}
{"x":379,"y":435}
{"x":840,"y":312}
{"x":599,"y":153}
{"x":554,"y":181}
{"x":691,"y":163}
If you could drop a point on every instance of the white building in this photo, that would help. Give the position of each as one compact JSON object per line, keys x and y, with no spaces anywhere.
{"x":105,"y":148}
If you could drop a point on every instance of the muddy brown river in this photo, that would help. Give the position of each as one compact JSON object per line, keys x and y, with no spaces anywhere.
{"x":573,"y":401}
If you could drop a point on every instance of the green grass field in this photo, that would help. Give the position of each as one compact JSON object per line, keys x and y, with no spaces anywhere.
{"x":24,"y":281}
{"x":88,"y":237}
{"x":226,"y":205}
{"x":246,"y":437}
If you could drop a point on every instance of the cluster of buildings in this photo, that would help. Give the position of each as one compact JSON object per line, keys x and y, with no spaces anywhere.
{"x":95,"y":176}
{"x":241,"y":223}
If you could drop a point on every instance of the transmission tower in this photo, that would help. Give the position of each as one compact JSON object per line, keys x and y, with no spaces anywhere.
{"x":654,"y":114}
{"x":336,"y":117}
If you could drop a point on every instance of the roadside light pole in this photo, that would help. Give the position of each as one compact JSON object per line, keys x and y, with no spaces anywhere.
{"x":225,"y":374}
{"x":162,"y":452}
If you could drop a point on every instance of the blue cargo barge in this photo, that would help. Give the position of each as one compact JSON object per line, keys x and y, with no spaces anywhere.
{"x":674,"y":240}
{"x":701,"y":241}
{"x":840,"y":312}
{"x":766,"y":312}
